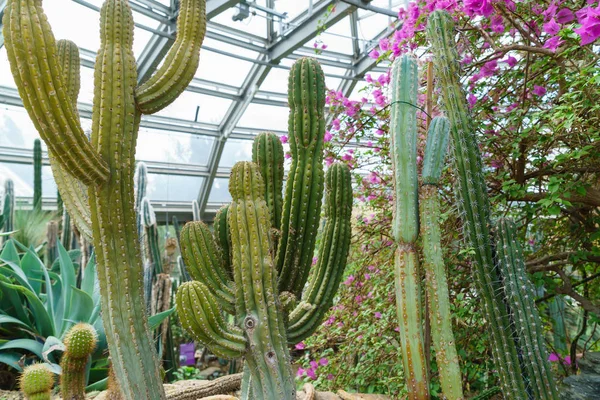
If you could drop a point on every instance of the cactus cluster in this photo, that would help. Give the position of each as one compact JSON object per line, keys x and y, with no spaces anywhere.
{"x":80,"y":342}
{"x":515,"y":352}
{"x":105,"y":163}
{"x":407,"y":226}
{"x":255,"y":265}
{"x":36,"y":382}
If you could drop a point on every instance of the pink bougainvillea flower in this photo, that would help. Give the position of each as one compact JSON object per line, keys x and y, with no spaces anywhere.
{"x":539,"y":90}
{"x":323,"y":46}
{"x":511,"y":61}
{"x":300,"y":346}
{"x":288,"y":155}
{"x":377,"y":314}
{"x":384,"y":44}
{"x":472,"y":99}
{"x":589,"y":18}
{"x":564,"y":16}
{"x":328,"y":136}
{"x":283,"y":138}
{"x":478,"y":7}
{"x":374,"y":54}
{"x":323,"y":361}
{"x":301,"y":372}
{"x":313,"y":364}
{"x":349,"y":280}
{"x":329,"y":377}
{"x":551,"y":27}
{"x":553,"y":43}
{"x":497,"y":24}
{"x":311,"y":373}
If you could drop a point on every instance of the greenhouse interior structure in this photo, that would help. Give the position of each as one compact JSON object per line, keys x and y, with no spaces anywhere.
{"x":300,"y":199}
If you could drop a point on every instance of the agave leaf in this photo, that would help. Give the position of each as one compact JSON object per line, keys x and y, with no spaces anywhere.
{"x":67,"y":274}
{"x":52,"y":344}
{"x":25,"y":344}
{"x":155,"y":320}
{"x":11,"y":358}
{"x":7,"y":319}
{"x":44,"y":324}
{"x":81,"y":310}
{"x":14,"y":298}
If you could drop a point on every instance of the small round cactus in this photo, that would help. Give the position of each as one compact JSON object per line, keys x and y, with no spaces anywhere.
{"x":36,"y":382}
{"x":81,"y":340}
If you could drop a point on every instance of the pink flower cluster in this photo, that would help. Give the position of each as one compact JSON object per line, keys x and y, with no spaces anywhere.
{"x":311,"y":371}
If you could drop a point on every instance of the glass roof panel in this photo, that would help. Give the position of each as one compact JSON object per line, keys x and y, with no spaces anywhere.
{"x":276,"y":81}
{"x":337,"y":38}
{"x":16,"y":128}
{"x":265,"y":117}
{"x":293,"y":8}
{"x":173,"y":147}
{"x":216,"y":67}
{"x":236,"y":150}
{"x":212,"y":109}
{"x":22,"y":176}
{"x":371,"y":26}
{"x":163,"y":187}
{"x":254,"y":24}
{"x":73,"y":21}
{"x":86,"y":91}
{"x":220,"y":191}
{"x":7,"y":78}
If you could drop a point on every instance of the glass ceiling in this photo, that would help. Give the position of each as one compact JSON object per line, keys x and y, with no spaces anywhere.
{"x":239,"y":89}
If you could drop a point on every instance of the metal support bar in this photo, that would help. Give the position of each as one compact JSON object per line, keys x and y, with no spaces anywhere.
{"x":366,"y":6}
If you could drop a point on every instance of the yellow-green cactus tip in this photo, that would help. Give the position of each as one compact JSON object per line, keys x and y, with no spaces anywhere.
{"x":81,"y":340}
{"x":36,"y":378}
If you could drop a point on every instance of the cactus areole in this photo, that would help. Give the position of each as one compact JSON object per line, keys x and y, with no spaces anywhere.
{"x":106,"y":163}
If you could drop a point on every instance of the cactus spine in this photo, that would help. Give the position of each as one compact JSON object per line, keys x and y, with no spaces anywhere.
{"x":36,"y":382}
{"x":403,"y":128}
{"x":37,"y":175}
{"x":436,"y":283}
{"x":80,"y":342}
{"x":106,"y":164}
{"x":8,"y":206}
{"x":474,"y":204}
{"x":520,"y":295}
{"x":304,"y":188}
{"x":264,"y":326}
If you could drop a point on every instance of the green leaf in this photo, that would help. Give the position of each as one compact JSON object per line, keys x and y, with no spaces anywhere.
{"x":67,"y":274}
{"x":98,"y":386}
{"x":81,"y":309}
{"x":52,"y":344}
{"x":24,"y":344}
{"x":43,"y":322}
{"x":155,"y":320}
{"x":7,"y":319}
{"x":11,"y":358}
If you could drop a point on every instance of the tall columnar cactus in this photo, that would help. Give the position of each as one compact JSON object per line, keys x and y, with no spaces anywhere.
{"x":51,"y":243}
{"x":268,"y":316}
{"x":80,"y":342}
{"x":8,"y":206}
{"x":141,"y":183}
{"x":106,"y":163}
{"x":304,"y":188}
{"x":36,"y":382}
{"x":37,"y":175}
{"x":151,"y":246}
{"x":403,"y":130}
{"x":195,"y":211}
{"x":520,"y":295}
{"x":436,"y":283}
{"x":223,"y":237}
{"x":66,"y":235}
{"x":474,"y":204}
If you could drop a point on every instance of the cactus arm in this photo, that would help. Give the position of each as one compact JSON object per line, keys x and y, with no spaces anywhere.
{"x":73,"y":192}
{"x":37,"y":175}
{"x":8,"y":205}
{"x":333,"y":252}
{"x":267,"y":153}
{"x":200,"y":315}
{"x":473,"y":202}
{"x":151,"y":245}
{"x":115,"y":121}
{"x":258,"y":311}
{"x":405,"y":226}
{"x":31,"y":50}
{"x":181,"y":62}
{"x":80,"y":342}
{"x":520,"y":294}
{"x":223,"y":238}
{"x":436,"y":283}
{"x":141,"y":181}
{"x":304,"y":187}
{"x":204,"y":262}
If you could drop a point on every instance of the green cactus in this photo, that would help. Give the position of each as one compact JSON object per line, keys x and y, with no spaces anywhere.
{"x":37,"y":175}
{"x":488,"y":394}
{"x":304,"y":188}
{"x":66,"y":235}
{"x":59,"y":203}
{"x":106,"y":163}
{"x":436,"y":283}
{"x":141,"y":182}
{"x":36,"y":382}
{"x":267,"y":153}
{"x":520,"y":295}
{"x":51,"y":243}
{"x":223,"y":238}
{"x":151,"y":246}
{"x":80,"y":342}
{"x":474,"y":205}
{"x":8,"y":206}
{"x":195,"y":211}
{"x":403,"y":130}
{"x":185,"y":276}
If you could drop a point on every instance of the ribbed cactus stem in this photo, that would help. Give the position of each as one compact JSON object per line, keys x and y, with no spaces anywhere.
{"x":8,"y":205}
{"x":304,"y":187}
{"x":403,"y":131}
{"x":37,"y":175}
{"x":267,"y":153}
{"x":36,"y":382}
{"x":436,"y":282}
{"x":80,"y":342}
{"x":474,"y":204}
{"x":151,"y":245}
{"x":258,"y":311}
{"x":141,"y":183}
{"x":223,"y":238}
{"x":66,"y":235}
{"x":195,"y":211}
{"x":324,"y":281}
{"x":51,"y":243}
{"x":520,"y":295}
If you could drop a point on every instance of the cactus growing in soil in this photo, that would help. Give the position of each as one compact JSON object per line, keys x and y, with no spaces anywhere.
{"x":36,"y":382}
{"x":80,"y":342}
{"x":106,"y":163}
{"x":270,"y":312}
{"x":37,"y":175}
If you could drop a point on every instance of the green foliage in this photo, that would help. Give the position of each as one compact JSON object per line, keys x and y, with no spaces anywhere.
{"x":30,"y":227}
